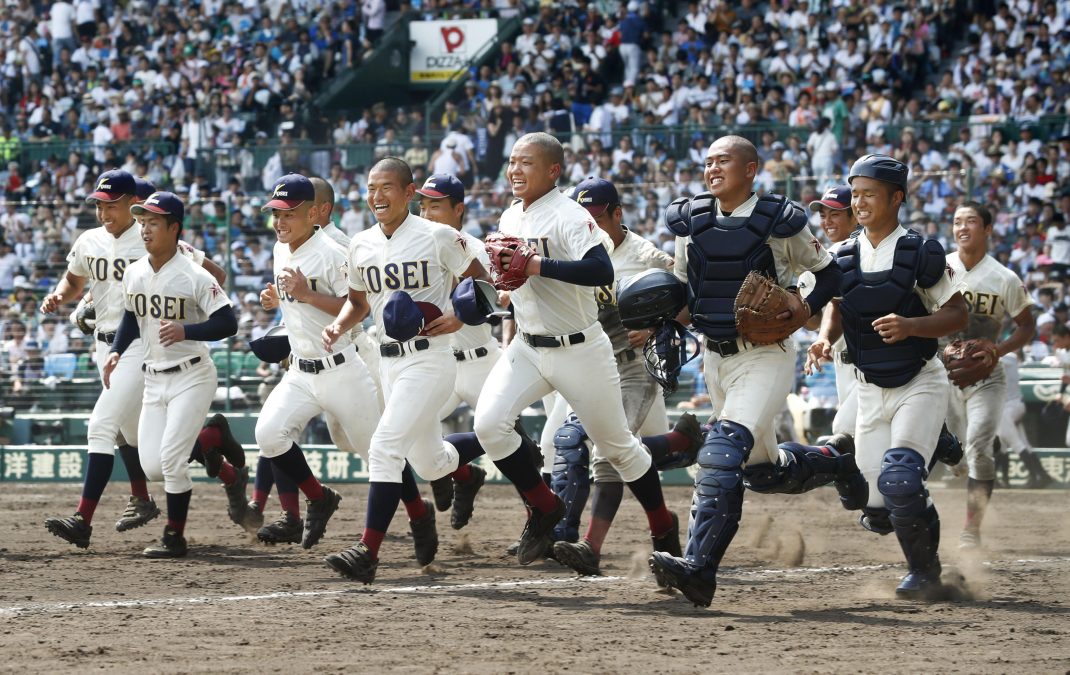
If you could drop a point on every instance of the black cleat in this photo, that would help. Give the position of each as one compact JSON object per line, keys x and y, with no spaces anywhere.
{"x":354,"y":563}
{"x":229,"y":447}
{"x":580,"y":557}
{"x":921,"y":585}
{"x":442,"y":490}
{"x":425,"y":536}
{"x":697,"y":584}
{"x":464,"y":497}
{"x":73,"y":530}
{"x":317,"y":513}
{"x":841,"y":443}
{"x":236,"y":503}
{"x":688,"y":426}
{"x":670,"y":541}
{"x":535,"y":540}
{"x":138,"y":512}
{"x":172,"y":545}
{"x":286,"y":530}
{"x":948,"y":447}
{"x":213,"y":461}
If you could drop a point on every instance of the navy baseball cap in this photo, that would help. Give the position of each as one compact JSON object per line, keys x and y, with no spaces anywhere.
{"x":596,"y":195}
{"x":289,"y":192}
{"x":112,"y":186}
{"x":162,"y":203}
{"x":404,"y":318}
{"x":441,"y":186}
{"x":837,"y":198}
{"x":144,"y":188}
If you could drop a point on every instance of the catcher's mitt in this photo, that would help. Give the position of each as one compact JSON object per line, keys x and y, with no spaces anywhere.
{"x":508,"y":273}
{"x":970,"y":361}
{"x":759,"y":306}
{"x":85,"y":317}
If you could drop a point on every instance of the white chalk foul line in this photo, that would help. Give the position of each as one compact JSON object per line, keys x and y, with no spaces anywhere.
{"x":46,"y":607}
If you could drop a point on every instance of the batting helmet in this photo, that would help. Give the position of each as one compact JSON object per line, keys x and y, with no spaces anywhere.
{"x":649,"y":299}
{"x":882,"y":168}
{"x":273,"y":346}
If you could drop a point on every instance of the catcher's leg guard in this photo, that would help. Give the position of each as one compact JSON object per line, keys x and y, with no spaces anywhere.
{"x":718,"y":502}
{"x":801,"y":468}
{"x":571,"y":480}
{"x":916,"y":524}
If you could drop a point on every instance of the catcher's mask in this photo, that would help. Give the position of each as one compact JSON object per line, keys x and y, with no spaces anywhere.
{"x":666,"y":351}
{"x":649,"y":299}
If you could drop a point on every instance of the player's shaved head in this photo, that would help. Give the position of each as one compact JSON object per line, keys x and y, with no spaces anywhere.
{"x":396,"y":166}
{"x":737,"y":145}
{"x":324,"y":191}
{"x":548,"y":146}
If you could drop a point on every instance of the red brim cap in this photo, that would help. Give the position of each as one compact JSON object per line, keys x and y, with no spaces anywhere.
{"x":141,"y":208}
{"x":104,"y":197}
{"x":282,"y":204}
{"x":430,"y":312}
{"x":596,"y":209}
{"x":433,"y":194}
{"x":836,"y":206}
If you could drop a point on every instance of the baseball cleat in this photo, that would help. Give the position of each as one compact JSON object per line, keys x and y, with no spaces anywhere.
{"x":920,"y":585}
{"x":317,"y":513}
{"x":236,"y":503}
{"x":286,"y":530}
{"x":579,"y":556}
{"x":464,"y":497}
{"x":688,"y":426}
{"x":969,"y":540}
{"x":442,"y":489}
{"x":697,"y":584}
{"x":511,"y":549}
{"x":138,"y":512}
{"x":535,"y":539}
{"x":172,"y":545}
{"x":669,"y":542}
{"x":876,"y":520}
{"x":73,"y":530}
{"x":253,"y":518}
{"x":355,"y":563}
{"x":229,"y":447}
{"x":425,"y":536}
{"x":213,"y":461}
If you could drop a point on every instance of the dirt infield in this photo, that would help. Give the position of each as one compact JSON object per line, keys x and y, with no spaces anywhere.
{"x":803,"y":589}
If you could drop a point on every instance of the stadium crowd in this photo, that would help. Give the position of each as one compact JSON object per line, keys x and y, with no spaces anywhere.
{"x":974,"y":96}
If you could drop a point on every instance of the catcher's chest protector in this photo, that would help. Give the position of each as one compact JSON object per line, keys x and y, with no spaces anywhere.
{"x":721,"y":252}
{"x":867,"y":296}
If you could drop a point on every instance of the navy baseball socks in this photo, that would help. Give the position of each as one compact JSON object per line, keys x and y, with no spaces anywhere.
{"x":288,"y":528}
{"x":321,"y":501}
{"x":173,"y":542}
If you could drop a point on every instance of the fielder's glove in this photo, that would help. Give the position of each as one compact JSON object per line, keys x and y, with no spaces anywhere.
{"x":85,"y":317}
{"x":970,"y":361}
{"x":758,"y":307}
{"x":508,"y":274}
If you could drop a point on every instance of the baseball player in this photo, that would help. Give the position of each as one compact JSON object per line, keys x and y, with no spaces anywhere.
{"x":310,"y":286}
{"x":722,"y":236}
{"x":177,"y":306}
{"x":992,"y":292}
{"x":1012,"y":434}
{"x":559,"y":343}
{"x":96,"y":264}
{"x":474,"y":347}
{"x":631,"y":254}
{"x":891,"y":279}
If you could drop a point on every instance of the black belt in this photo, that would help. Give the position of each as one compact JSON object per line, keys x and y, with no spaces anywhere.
{"x":398,"y":348}
{"x":173,"y":369}
{"x":845,"y":357}
{"x":106,"y":338}
{"x":551,"y":341}
{"x":723,"y":347}
{"x":479,"y":353}
{"x":316,"y":365}
{"x":626,"y":356}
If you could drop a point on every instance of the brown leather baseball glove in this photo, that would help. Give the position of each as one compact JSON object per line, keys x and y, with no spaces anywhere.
{"x":970,"y":361}
{"x":765,"y":312}
{"x":509,"y":256}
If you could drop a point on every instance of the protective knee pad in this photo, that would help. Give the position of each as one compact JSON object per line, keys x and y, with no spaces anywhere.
{"x":800,"y":468}
{"x":902,"y":483}
{"x":718,"y":502}
{"x":571,"y":479}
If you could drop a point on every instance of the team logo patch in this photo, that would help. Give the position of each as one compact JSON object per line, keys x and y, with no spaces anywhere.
{"x":950,"y":272}
{"x":462,"y":242}
{"x":590,"y":225}
{"x":279,"y":191}
{"x":816,"y":244}
{"x":216,"y":291}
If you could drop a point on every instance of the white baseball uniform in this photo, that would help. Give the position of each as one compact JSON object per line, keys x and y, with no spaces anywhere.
{"x":1011,"y":430}
{"x":583,"y":369}
{"x":992,"y":292}
{"x":180,"y":379}
{"x":423,"y":259}
{"x":749,"y":387}
{"x":906,"y":416}
{"x":336,"y":384}
{"x":474,"y":347}
{"x":102,"y":259}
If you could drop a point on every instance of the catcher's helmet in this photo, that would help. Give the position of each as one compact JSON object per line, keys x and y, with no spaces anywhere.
{"x":649,"y":299}
{"x":882,"y":168}
{"x":273,"y":346}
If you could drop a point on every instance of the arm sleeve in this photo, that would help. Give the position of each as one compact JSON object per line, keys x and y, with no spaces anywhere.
{"x":126,"y":333}
{"x":826,"y":287}
{"x":595,"y":269}
{"x":220,"y":325}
